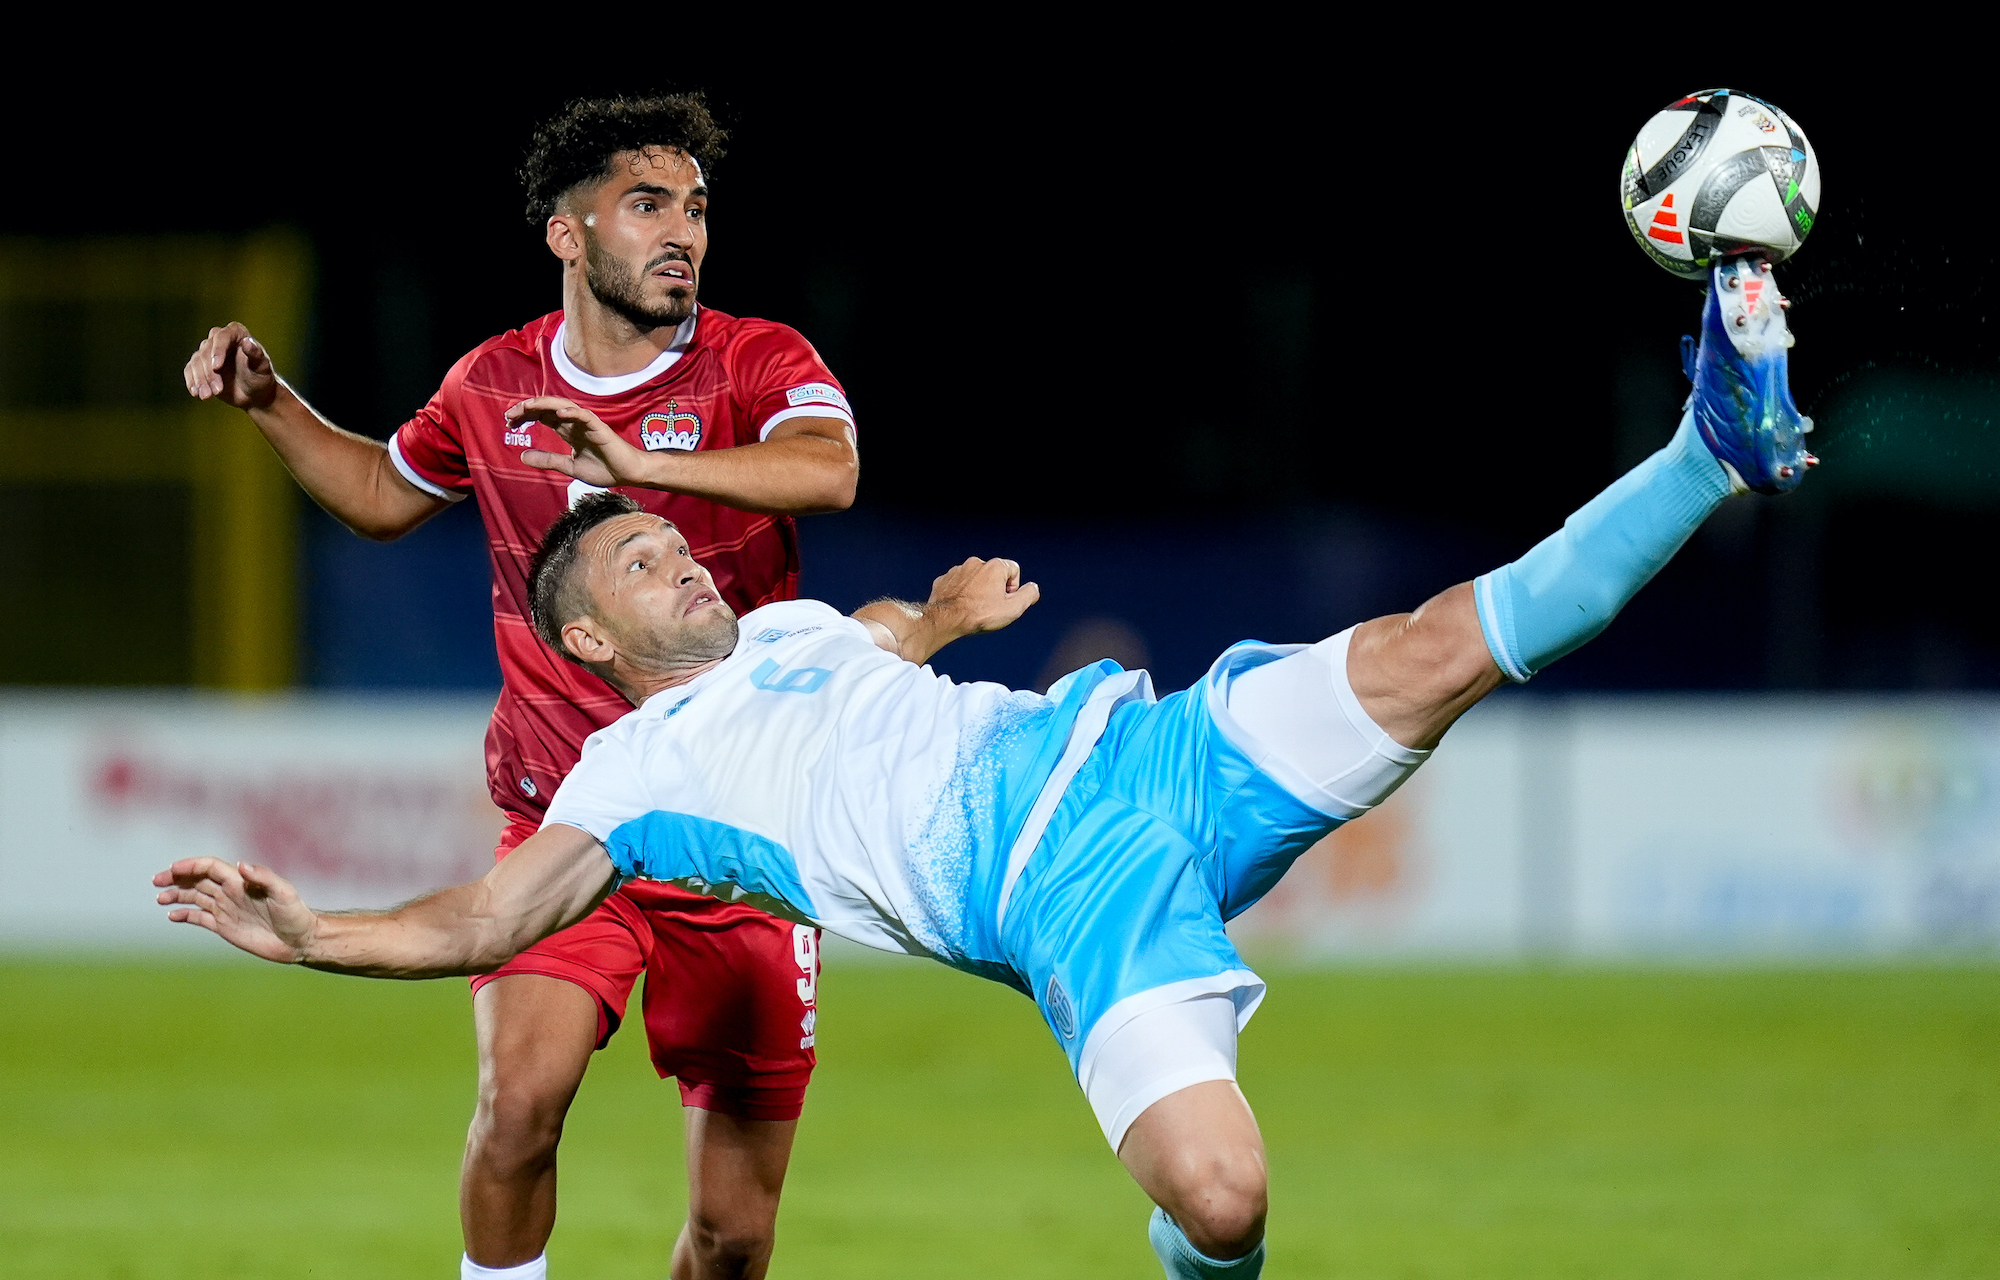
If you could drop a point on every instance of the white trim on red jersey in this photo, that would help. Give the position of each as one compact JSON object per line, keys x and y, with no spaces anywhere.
{"x":591,"y":384}
{"x":814,"y":411}
{"x":415,"y":477}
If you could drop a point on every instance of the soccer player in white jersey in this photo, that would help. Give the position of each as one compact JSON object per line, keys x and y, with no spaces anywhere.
{"x":1085,"y":847}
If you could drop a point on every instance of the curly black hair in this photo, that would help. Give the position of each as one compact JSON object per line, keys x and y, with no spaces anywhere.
{"x":577,"y":145}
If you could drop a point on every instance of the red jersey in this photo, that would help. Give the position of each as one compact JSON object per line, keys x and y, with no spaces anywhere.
{"x":724,"y":382}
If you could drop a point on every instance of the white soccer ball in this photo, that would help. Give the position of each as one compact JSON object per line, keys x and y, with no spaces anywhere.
{"x":1716,"y":174}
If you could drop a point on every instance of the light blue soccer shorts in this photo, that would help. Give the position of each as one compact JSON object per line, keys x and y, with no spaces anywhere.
{"x":1173,"y":825}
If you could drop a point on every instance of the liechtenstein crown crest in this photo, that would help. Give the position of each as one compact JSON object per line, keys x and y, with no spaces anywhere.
{"x":670,"y":429}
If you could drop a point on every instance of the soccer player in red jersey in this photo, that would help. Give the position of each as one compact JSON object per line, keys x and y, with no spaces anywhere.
{"x":727,"y":427}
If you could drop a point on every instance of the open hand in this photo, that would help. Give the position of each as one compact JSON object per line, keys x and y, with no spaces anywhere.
{"x":233,"y":366}
{"x":600,"y":455}
{"x":980,"y":595}
{"x":249,"y":906}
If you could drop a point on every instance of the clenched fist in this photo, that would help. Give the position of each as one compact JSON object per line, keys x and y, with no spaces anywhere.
{"x":234,"y":367}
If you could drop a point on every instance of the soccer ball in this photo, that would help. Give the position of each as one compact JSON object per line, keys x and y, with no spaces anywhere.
{"x":1719,"y":173}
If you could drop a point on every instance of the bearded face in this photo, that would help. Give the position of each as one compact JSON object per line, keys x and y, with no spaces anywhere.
{"x":643,"y":295}
{"x":663,"y":642}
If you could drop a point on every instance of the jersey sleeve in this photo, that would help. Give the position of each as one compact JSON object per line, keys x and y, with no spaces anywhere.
{"x":784,"y":378}
{"x":602,"y":793}
{"x":429,"y":449}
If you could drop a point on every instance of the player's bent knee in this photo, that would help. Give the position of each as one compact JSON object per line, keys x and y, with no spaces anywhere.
{"x":519,"y":1121}
{"x":1227,"y":1228}
{"x":1221,"y":1198}
{"x":729,"y":1244}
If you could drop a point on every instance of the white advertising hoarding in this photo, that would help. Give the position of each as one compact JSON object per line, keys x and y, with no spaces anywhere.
{"x":1636,"y":826}
{"x":1790,"y":825}
{"x":361,"y":801}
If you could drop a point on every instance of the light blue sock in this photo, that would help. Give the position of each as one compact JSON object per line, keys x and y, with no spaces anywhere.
{"x":1184,"y":1263}
{"x":1573,"y":583}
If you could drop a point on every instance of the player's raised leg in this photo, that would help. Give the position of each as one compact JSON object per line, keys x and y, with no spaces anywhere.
{"x":1414,"y":674}
{"x":1340,"y":724}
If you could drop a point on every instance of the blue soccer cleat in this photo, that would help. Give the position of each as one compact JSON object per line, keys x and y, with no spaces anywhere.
{"x":1742,"y":397}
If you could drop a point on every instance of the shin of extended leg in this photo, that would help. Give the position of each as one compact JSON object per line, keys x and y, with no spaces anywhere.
{"x":1570,"y":585}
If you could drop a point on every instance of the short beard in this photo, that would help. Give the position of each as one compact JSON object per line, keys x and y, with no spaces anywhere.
{"x":613,"y":284}
{"x":712,"y":638}
{"x":705,"y":640}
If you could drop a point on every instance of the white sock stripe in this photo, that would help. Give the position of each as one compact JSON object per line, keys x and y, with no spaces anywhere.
{"x":536,"y":1268}
{"x":1489,"y":625}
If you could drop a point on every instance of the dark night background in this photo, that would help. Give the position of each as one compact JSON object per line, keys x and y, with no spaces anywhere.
{"x":1255,"y":351}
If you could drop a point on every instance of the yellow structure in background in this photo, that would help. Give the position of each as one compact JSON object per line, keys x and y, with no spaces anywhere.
{"x":136,"y":309}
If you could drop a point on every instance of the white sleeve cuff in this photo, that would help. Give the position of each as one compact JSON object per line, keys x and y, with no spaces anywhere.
{"x":410,"y":473}
{"x":600,"y":830}
{"x":805,"y":411}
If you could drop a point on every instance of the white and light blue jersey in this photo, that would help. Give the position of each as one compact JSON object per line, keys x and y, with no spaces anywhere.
{"x":827,"y":781}
{"x":1085,"y":847}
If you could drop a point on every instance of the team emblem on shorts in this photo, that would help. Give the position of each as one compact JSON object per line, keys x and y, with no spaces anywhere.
{"x":671,"y":429}
{"x":1061,"y":1017}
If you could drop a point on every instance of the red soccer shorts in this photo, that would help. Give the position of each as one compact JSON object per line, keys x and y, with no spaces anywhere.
{"x":729,"y":1001}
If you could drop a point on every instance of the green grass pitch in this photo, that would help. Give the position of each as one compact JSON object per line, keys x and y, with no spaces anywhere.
{"x":175,"y":1119}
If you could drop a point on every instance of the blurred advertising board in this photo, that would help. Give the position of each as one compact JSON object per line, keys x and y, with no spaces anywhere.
{"x":1637,"y":826}
{"x":362,"y":801}
{"x":1600,"y":827}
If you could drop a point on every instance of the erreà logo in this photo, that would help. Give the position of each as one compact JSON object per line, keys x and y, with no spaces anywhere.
{"x":671,"y":429}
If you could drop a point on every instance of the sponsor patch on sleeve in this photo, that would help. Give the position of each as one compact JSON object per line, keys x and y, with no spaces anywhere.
{"x":818,"y":393}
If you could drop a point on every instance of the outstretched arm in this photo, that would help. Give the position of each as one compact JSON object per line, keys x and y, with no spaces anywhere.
{"x":979,"y":595}
{"x":555,"y":878}
{"x":349,"y":475}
